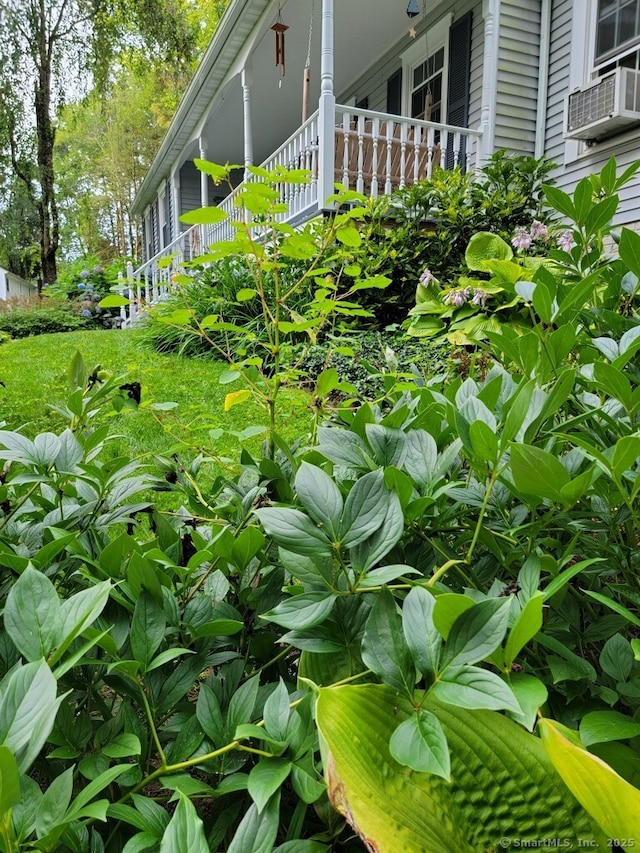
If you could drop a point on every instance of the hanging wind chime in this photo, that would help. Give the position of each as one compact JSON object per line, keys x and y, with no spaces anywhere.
{"x":280,"y":29}
{"x":413,"y":10}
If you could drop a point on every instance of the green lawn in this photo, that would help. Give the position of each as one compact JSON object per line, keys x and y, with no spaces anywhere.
{"x":34,"y":373}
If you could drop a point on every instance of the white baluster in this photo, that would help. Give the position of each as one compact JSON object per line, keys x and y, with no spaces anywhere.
{"x":387,"y":183}
{"x":374,"y":159}
{"x":403,"y":153}
{"x":345,"y":154}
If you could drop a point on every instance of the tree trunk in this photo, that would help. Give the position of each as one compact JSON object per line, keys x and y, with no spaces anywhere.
{"x":45,"y":132}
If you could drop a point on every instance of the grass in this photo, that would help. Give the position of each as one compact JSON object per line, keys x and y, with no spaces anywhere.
{"x":34,"y":374}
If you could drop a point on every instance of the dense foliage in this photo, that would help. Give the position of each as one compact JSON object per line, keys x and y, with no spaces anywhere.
{"x":425,"y":615}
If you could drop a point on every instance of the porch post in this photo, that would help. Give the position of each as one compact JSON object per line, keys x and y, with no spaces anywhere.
{"x":204,"y":184}
{"x":491,"y":15}
{"x":246,"y":79}
{"x":326,"y":109}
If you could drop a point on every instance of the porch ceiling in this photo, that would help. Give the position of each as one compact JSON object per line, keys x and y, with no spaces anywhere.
{"x":364,"y":30}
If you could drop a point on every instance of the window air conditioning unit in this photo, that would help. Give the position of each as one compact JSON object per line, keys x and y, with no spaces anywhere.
{"x":607,"y":106}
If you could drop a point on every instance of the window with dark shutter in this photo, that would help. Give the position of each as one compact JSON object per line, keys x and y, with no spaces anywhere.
{"x":459,"y":80}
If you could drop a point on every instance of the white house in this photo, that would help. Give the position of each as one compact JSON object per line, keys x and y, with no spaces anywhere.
{"x":394,"y":89}
{"x":12,"y":285}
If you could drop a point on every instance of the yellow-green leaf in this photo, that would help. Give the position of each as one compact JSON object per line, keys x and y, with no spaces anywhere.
{"x":607,"y":797}
{"x":235,"y":398}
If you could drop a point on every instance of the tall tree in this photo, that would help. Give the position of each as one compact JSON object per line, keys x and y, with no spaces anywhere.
{"x":54,"y":50}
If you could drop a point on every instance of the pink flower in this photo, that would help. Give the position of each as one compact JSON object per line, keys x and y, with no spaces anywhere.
{"x":566,"y":241}
{"x":522,"y":238}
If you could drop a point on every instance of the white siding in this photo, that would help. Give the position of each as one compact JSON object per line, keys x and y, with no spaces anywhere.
{"x":517,"y":85}
{"x":559,"y":69}
{"x":624,"y":147}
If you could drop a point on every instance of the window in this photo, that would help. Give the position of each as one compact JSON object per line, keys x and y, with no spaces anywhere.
{"x":426,"y":88}
{"x":425,"y":74}
{"x":617,"y":30}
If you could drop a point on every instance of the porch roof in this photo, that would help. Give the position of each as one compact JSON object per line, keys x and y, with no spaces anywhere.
{"x":212,"y":104}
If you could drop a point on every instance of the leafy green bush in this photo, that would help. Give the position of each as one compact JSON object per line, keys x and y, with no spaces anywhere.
{"x":429,"y":224}
{"x":434,"y":606}
{"x":34,"y":316}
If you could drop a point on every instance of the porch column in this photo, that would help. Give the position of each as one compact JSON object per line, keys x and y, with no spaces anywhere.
{"x":491,"y":15}
{"x":246,"y":78}
{"x":327,"y":109}
{"x":175,"y":189}
{"x":204,"y":179}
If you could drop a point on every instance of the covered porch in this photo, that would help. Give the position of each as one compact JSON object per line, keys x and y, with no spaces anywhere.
{"x":371,"y":150}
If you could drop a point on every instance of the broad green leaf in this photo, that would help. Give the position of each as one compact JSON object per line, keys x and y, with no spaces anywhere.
{"x":327,"y":382}
{"x":79,"y":612}
{"x":538,"y":473}
{"x":210,"y":715}
{"x":388,"y":445}
{"x":276,"y":712}
{"x":616,"y":658}
{"x":448,"y":608}
{"x":294,"y":531}
{"x":265,"y":779}
{"x":122,"y":746}
{"x":245,"y":294}
{"x":185,"y":832}
{"x":28,"y":708}
{"x":420,"y":743}
{"x":531,"y":694}
{"x":247,"y":544}
{"x":203,"y":216}
{"x":612,"y":802}
{"x":485,"y":246}
{"x":601,"y":726}
{"x":320,"y":496}
{"x":629,"y":249}
{"x":420,"y":632}
{"x":32,"y":615}
{"x":257,"y":831}
{"x":307,"y":786}
{"x":302,"y":611}
{"x":54,"y":803}
{"x":147,"y":628}
{"x":560,"y":201}
{"x":384,"y":649}
{"x":493,"y":760}
{"x":10,"y":794}
{"x":370,"y":551}
{"x":526,"y":626}
{"x":472,"y":687}
{"x":384,"y":574}
{"x":484,"y":441}
{"x":477,"y":632}
{"x":114,"y":300}
{"x":365,"y":508}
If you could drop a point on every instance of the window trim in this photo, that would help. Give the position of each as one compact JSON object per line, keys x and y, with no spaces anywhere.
{"x":613,"y":55}
{"x":435,"y":37}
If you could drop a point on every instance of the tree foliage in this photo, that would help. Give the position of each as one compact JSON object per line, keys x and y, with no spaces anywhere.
{"x":54,"y":52}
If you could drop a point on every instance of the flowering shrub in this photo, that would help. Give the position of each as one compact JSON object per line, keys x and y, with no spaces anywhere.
{"x":466,"y":309}
{"x":85,"y":282}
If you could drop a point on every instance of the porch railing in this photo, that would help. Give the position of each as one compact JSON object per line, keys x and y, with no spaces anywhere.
{"x":373,"y":153}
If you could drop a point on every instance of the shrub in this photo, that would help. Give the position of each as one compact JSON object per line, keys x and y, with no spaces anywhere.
{"x":430,"y":223}
{"x":34,"y":316}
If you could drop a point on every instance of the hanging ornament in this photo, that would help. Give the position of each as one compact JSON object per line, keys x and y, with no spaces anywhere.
{"x":413,"y":9}
{"x":279,"y":29}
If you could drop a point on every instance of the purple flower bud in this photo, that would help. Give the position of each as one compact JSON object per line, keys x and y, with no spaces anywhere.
{"x":522,"y":238}
{"x":85,"y":312}
{"x":539,"y":230}
{"x":81,"y":286}
{"x":428,"y":278}
{"x":566,"y":241}
{"x":85,"y":274}
{"x":479,"y":298}
{"x":98,"y":270}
